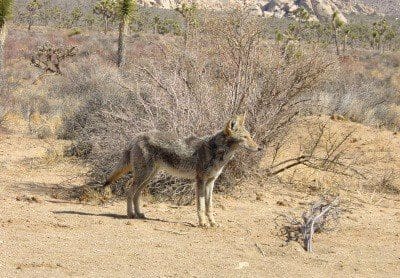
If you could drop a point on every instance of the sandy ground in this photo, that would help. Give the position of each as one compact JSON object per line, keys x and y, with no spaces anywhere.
{"x":44,"y":236}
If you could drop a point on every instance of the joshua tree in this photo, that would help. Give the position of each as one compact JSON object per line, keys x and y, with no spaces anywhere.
{"x":346,"y":33}
{"x":337,"y":23}
{"x":5,"y":14}
{"x":32,"y":9}
{"x":382,"y":33}
{"x":279,"y":36}
{"x":107,"y":9}
{"x":302,"y":14}
{"x":389,"y":36}
{"x":48,"y":58}
{"x":190,"y":16}
{"x":55,"y":14}
{"x":89,"y":20}
{"x":76,"y":15}
{"x":126,"y":11}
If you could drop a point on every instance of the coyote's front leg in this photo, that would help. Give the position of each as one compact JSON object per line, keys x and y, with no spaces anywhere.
{"x":200,"y":197}
{"x":209,"y":202}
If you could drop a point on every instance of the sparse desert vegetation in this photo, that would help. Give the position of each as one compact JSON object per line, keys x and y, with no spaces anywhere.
{"x":79,"y":82}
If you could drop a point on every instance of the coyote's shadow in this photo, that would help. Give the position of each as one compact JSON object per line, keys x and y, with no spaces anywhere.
{"x":120,"y":216}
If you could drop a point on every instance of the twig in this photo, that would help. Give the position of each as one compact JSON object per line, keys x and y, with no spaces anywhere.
{"x":72,"y":178}
{"x":162,"y":86}
{"x":316,"y":219}
{"x":41,"y":76}
{"x":260,"y":249}
{"x":311,"y":223}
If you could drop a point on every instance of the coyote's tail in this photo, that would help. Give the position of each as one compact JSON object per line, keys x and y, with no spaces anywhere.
{"x":123,"y":167}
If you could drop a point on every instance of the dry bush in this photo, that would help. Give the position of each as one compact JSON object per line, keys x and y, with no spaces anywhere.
{"x":9,"y":104}
{"x":387,"y":182}
{"x":322,"y":150}
{"x":360,"y":94}
{"x":364,"y":101}
{"x":318,"y":155}
{"x":189,"y":86}
{"x":322,"y":216}
{"x":48,"y":57}
{"x":5,"y":97}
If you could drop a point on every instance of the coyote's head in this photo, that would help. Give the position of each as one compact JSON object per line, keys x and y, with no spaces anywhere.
{"x":235,"y":129}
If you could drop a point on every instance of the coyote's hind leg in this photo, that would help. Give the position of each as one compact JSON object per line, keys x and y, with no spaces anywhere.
{"x":130,"y":184}
{"x":141,"y":182}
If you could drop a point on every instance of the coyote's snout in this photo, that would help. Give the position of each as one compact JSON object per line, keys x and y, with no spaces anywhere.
{"x":236,"y":130}
{"x":200,"y":159}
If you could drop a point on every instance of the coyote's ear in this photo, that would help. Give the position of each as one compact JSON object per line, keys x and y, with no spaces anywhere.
{"x":241,"y":119}
{"x":231,"y":126}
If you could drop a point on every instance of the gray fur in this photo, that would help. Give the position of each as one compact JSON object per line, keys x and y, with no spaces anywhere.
{"x":200,"y":159}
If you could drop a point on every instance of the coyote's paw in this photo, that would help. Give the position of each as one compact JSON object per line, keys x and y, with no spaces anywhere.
{"x":140,"y":216}
{"x":215,"y":224}
{"x":132,"y":215}
{"x":202,"y":224}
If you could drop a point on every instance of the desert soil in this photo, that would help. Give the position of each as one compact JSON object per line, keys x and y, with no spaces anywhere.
{"x":42,"y":235}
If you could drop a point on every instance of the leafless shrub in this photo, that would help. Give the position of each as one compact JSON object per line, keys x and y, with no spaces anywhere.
{"x":232,"y":56}
{"x":83,"y":194}
{"x":7,"y":100}
{"x":363,"y":91}
{"x":48,"y":58}
{"x":364,"y":101}
{"x":171,"y":189}
{"x":4,"y":97}
{"x":190,"y":87}
{"x":324,"y":151}
{"x":322,"y":216}
{"x":387,"y":182}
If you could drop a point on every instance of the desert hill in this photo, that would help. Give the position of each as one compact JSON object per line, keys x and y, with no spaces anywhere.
{"x":318,"y":9}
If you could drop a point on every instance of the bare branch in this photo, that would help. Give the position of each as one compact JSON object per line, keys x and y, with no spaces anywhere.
{"x":318,"y":218}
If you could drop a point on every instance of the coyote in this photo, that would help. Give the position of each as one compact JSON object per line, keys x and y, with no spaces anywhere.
{"x":200,"y":159}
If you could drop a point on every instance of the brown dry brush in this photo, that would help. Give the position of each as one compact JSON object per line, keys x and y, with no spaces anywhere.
{"x":7,"y":100}
{"x":323,"y":150}
{"x":322,"y":216}
{"x":190,"y":87}
{"x":48,"y":58}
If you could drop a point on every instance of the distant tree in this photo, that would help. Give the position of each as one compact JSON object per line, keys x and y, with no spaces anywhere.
{"x":337,"y":23}
{"x":389,"y":36}
{"x":89,"y":20}
{"x":48,"y":58}
{"x":107,"y":9}
{"x":353,"y":35}
{"x":44,"y":13}
{"x":164,"y":26}
{"x":32,"y":12}
{"x":5,"y":15}
{"x":75,"y":16}
{"x":126,"y":10}
{"x":382,"y":33}
{"x":303,"y":28}
{"x":158,"y":27}
{"x":320,"y":31}
{"x":359,"y":34}
{"x":302,"y":14}
{"x":279,"y":36}
{"x":50,"y":13}
{"x":190,"y":17}
{"x":346,"y":34}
